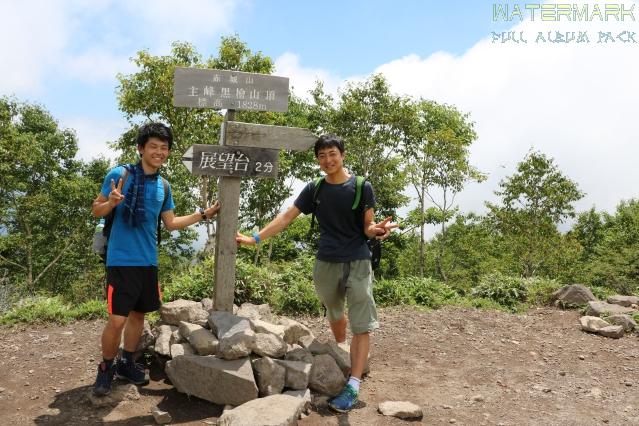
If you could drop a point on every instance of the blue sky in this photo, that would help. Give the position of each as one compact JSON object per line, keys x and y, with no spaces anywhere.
{"x":574,"y":102}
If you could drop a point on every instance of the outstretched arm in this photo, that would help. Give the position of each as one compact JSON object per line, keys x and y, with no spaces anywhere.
{"x":173,"y":223}
{"x":274,"y":227}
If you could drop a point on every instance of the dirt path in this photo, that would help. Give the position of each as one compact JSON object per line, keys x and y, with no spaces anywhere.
{"x":462,"y":366}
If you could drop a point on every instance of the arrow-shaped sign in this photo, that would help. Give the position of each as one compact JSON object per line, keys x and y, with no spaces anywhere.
{"x":265,"y":136}
{"x":216,"y":160}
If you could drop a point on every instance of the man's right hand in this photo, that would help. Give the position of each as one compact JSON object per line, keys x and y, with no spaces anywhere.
{"x":115,"y":196}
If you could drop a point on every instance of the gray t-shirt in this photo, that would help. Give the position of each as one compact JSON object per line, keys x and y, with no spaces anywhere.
{"x":341,"y":236}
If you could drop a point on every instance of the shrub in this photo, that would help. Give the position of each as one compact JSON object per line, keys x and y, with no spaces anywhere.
{"x":253,"y":284}
{"x":389,"y":293}
{"x":540,"y":290}
{"x":429,"y":292}
{"x":413,"y":291}
{"x":506,"y":290}
{"x":295,"y":292}
{"x":193,"y":282}
{"x":52,"y":309}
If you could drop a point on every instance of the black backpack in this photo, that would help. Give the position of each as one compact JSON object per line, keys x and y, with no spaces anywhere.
{"x":358,"y":209}
{"x":100,"y":247}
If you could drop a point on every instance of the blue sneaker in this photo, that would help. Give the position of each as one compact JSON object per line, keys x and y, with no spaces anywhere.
{"x":345,"y":400}
{"x":132,"y":372}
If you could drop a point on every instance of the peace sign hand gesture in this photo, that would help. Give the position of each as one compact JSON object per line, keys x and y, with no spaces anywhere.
{"x":384,"y":228}
{"x":115,"y":196}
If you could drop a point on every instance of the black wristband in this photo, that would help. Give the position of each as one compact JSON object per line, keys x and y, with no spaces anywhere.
{"x":203,"y":214}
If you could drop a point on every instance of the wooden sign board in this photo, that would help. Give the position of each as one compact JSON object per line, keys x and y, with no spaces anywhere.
{"x":217,"y":160}
{"x":265,"y":136}
{"x":222,"y":89}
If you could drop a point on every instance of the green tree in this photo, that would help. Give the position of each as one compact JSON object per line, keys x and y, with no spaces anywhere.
{"x":614,"y":259}
{"x":534,"y":201}
{"x":437,"y":156}
{"x":45,"y":200}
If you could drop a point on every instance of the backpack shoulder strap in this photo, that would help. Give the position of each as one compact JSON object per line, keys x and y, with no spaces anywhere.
{"x":359,"y":185}
{"x":317,"y":183}
{"x":165,"y":183}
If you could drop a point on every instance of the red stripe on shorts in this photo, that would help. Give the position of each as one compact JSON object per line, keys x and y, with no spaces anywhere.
{"x":110,"y":299}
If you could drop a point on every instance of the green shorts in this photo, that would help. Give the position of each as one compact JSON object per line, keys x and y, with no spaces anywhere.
{"x":357,"y":289}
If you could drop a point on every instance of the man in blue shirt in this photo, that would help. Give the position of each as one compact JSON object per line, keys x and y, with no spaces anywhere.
{"x":132,"y":261}
{"x":343,"y":267}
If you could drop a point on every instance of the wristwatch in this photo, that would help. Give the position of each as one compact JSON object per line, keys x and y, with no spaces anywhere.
{"x":202,"y":213}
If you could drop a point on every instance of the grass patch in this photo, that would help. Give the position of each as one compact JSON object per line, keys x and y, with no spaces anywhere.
{"x":39,"y":310}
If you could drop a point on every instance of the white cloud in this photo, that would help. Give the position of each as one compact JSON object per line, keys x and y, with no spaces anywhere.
{"x":93,"y":134}
{"x":574,"y":102}
{"x":93,"y":41}
{"x":32,"y":34}
{"x":303,"y":79}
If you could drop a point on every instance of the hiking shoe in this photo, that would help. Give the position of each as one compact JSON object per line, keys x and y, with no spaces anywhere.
{"x":102,"y":386}
{"x":132,"y":372}
{"x":345,"y":400}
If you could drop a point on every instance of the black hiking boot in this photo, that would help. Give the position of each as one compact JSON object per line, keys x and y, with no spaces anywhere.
{"x":129,"y":370}
{"x":102,"y":386}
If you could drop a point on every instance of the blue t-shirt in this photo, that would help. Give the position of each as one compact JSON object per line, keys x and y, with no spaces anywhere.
{"x":136,"y":246}
{"x":341,"y":238}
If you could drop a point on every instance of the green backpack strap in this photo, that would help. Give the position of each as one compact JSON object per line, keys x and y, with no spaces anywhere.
{"x":359,"y":184}
{"x":317,"y":183}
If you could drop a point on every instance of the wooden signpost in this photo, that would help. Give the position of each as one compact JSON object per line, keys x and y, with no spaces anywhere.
{"x":245,"y":150}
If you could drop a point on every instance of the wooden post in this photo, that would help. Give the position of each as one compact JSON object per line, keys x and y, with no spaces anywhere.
{"x":249,"y":150}
{"x":225,"y":245}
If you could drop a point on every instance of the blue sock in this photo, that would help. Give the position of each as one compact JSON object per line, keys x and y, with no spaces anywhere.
{"x":354,"y":383}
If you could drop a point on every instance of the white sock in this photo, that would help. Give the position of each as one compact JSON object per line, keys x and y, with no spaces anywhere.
{"x":354,"y":382}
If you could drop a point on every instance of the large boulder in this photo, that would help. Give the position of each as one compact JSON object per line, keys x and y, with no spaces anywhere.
{"x":626,"y":301}
{"x":401,"y":409}
{"x":326,"y":376}
{"x":274,"y":410}
{"x":146,"y":339}
{"x":598,"y":309}
{"x":236,"y":337}
{"x":255,"y":312}
{"x":297,"y":373}
{"x":270,"y":376}
{"x":269,"y":345}
{"x":293,"y":330}
{"x":592,"y":324}
{"x":118,"y":394}
{"x":299,"y":354}
{"x":183,"y":310}
{"x":178,"y":349}
{"x":341,"y":352}
{"x":163,"y":341}
{"x":625,"y":321}
{"x":260,"y":326}
{"x":612,"y":331}
{"x":201,"y":339}
{"x":213,"y":379}
{"x":573,"y":295}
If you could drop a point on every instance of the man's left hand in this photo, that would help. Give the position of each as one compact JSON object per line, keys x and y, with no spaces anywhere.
{"x":384,"y":228}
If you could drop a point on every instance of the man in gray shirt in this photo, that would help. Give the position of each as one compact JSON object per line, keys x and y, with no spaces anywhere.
{"x":343,"y":267}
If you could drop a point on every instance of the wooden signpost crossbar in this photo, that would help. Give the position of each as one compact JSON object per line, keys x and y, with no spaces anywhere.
{"x":244,"y":150}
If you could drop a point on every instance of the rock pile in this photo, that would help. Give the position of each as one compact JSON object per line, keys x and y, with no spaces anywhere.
{"x":232,"y":359}
{"x":612,"y":318}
